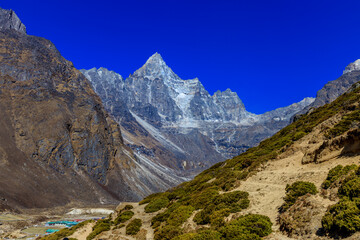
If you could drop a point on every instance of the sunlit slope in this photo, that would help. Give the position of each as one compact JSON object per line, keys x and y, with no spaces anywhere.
{"x":215,"y":205}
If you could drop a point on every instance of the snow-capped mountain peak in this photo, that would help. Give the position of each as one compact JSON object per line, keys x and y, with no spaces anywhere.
{"x":155,"y":67}
{"x":354,"y":66}
{"x":156,"y":58}
{"x":156,"y":96}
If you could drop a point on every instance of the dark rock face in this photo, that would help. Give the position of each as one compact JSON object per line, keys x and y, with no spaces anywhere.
{"x":9,"y":20}
{"x":58,"y":144}
{"x":231,"y":103}
{"x":193,"y":128}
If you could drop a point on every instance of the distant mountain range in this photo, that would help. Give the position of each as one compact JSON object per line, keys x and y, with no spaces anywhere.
{"x":193,"y":129}
{"x":301,"y":183}
{"x":177,"y":124}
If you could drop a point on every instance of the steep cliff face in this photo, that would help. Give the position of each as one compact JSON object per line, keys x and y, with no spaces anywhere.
{"x":177,"y":100}
{"x":141,"y":124}
{"x":57,"y":142}
{"x":193,"y":128}
{"x":230,"y":102}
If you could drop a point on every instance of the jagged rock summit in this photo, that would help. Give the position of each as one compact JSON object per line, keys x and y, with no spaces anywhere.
{"x":193,"y":128}
{"x":9,"y":20}
{"x":155,"y":67}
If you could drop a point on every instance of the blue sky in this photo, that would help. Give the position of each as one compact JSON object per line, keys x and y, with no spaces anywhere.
{"x":272,"y":53}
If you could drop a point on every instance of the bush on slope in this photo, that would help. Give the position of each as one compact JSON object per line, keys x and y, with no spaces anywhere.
{"x":343,"y":218}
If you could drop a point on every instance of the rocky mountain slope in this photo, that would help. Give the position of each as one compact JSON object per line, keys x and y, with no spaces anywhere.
{"x":58,"y":145}
{"x":177,"y":123}
{"x":335,"y":88}
{"x":280,"y":189}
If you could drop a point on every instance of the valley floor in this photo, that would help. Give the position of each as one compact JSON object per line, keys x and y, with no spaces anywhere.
{"x":32,"y":223}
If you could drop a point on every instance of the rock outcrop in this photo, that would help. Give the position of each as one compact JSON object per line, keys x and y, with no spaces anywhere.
{"x":335,"y":88}
{"x":9,"y":20}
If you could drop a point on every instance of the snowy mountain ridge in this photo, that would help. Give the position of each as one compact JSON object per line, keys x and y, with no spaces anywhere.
{"x":223,"y":106}
{"x":160,"y":111}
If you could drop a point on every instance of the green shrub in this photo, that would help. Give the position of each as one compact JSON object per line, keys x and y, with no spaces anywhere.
{"x":123,"y":217}
{"x":133,"y":227}
{"x":240,"y":175}
{"x":298,"y":135}
{"x":227,"y":178}
{"x":350,"y":188}
{"x":345,"y":123}
{"x":120,"y":226}
{"x":224,"y":204}
{"x":159,"y":218}
{"x":295,"y":190}
{"x":203,"y":198}
{"x":65,"y":232}
{"x":156,"y":204}
{"x":217,"y":217}
{"x":203,"y":217}
{"x":207,"y":235}
{"x":152,"y":197}
{"x":100,"y":226}
{"x":255,"y":223}
{"x":175,"y":194}
{"x":251,"y":226}
{"x":235,"y":201}
{"x":180,"y":215}
{"x":202,"y":235}
{"x":342,"y":219}
{"x":167,"y":232}
{"x":128,"y":207}
{"x":162,"y":217}
{"x":337,"y":173}
{"x":186,"y":236}
{"x":233,"y":232}
{"x":333,"y":175}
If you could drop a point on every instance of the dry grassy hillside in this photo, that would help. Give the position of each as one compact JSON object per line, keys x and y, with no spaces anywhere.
{"x":243,"y":197}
